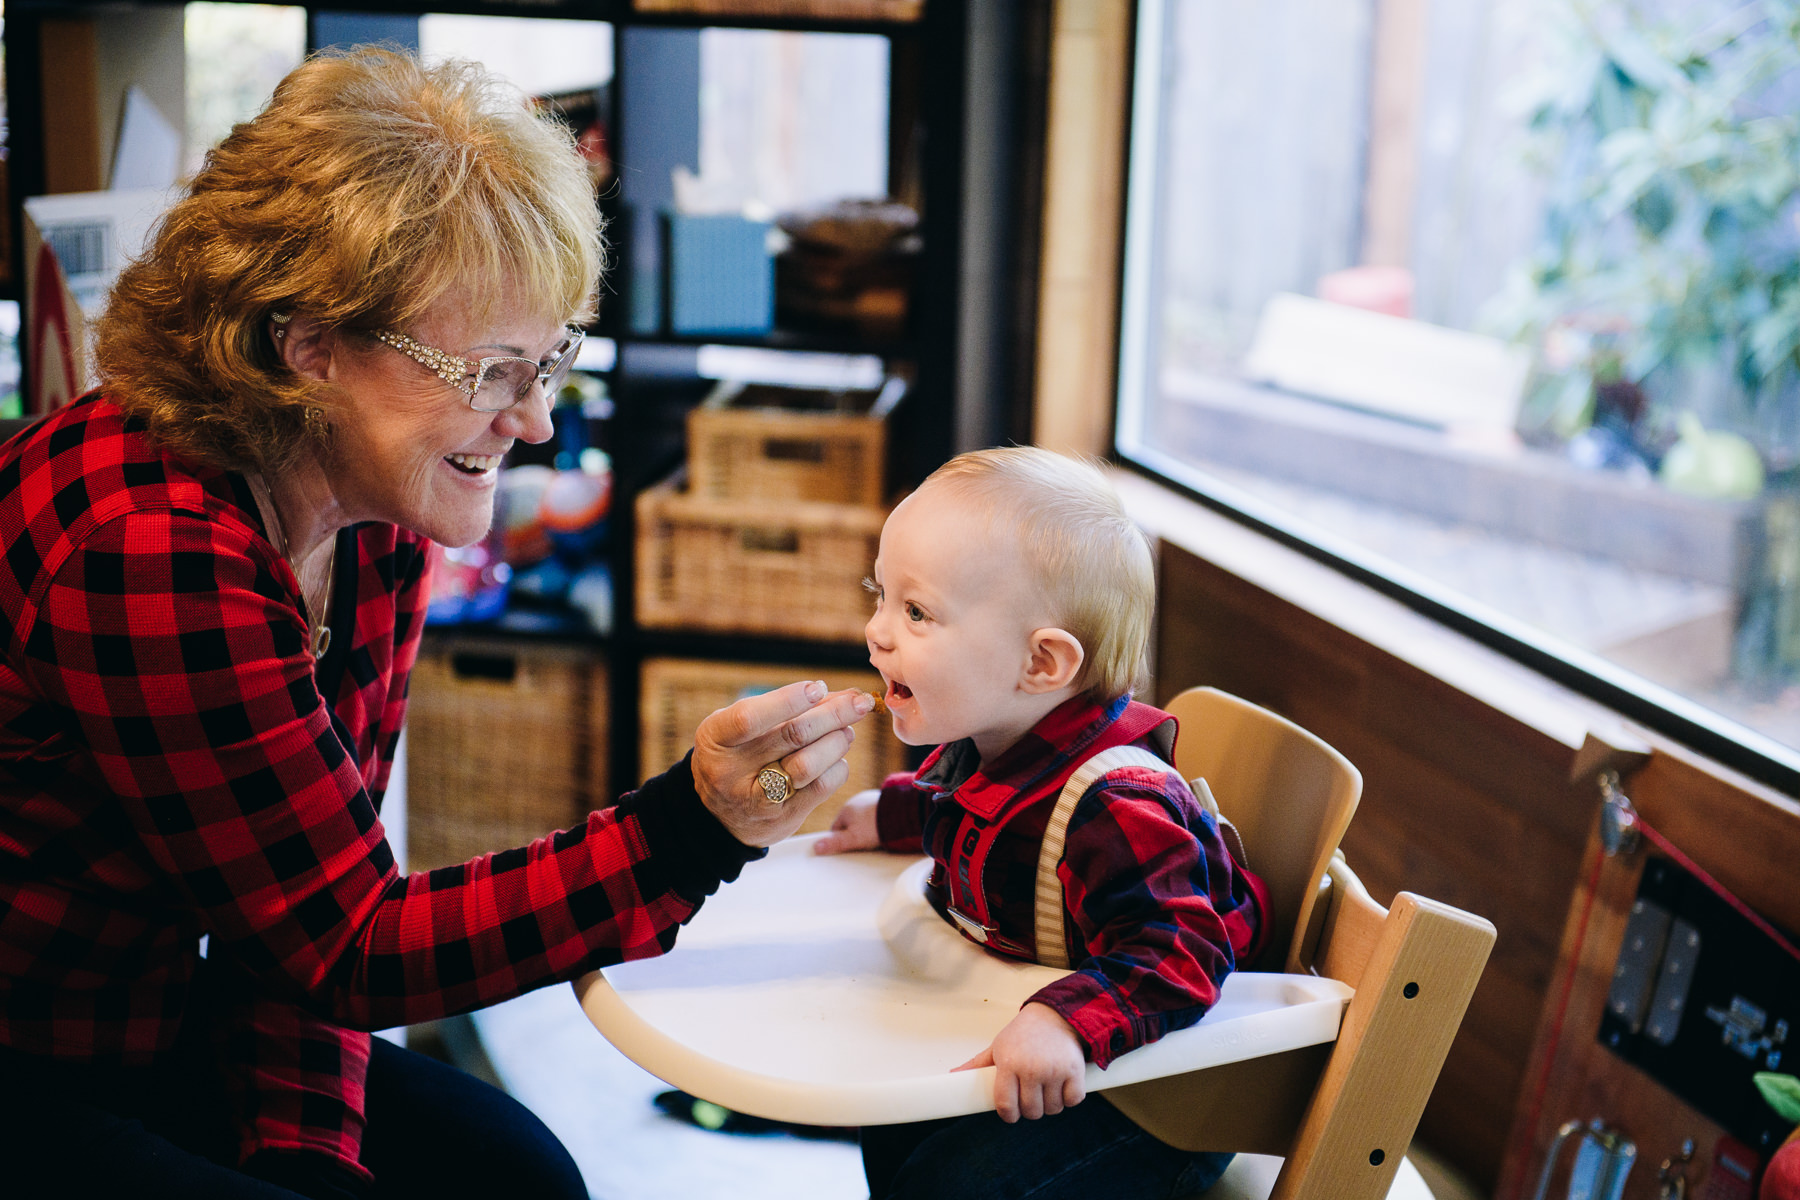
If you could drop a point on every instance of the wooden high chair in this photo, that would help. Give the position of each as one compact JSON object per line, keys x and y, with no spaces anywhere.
{"x":1290,"y":795}
{"x":826,"y":991}
{"x":1339,"y":1115}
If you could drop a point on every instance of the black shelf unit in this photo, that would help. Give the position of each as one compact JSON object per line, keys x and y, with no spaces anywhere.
{"x":904,"y":348}
{"x":646,"y":435}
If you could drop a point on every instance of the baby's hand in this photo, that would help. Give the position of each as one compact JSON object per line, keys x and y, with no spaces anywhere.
{"x":1039,"y":1067}
{"x":854,"y":827}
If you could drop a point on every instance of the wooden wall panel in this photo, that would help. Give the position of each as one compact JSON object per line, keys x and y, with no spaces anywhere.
{"x":71,"y":105}
{"x":1716,"y":818}
{"x":1745,"y":836}
{"x":1084,"y":189}
{"x":1480,"y":790}
{"x":1461,"y":803}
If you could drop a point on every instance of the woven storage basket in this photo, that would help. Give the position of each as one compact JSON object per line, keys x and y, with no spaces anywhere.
{"x":679,"y":693}
{"x":506,"y":742}
{"x":761,"y":442}
{"x":735,"y":566}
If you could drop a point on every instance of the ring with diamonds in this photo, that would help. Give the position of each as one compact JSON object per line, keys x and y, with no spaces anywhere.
{"x":777,"y":788}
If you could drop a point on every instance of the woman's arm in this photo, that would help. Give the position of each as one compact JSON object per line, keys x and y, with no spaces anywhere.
{"x":180,"y":658}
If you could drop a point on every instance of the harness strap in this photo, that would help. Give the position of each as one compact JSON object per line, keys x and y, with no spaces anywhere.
{"x":1052,"y":938}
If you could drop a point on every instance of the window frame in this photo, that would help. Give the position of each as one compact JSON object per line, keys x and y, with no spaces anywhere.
{"x":1651,"y":705}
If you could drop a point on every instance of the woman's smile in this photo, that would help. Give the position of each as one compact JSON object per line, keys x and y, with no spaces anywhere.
{"x":479,"y":465}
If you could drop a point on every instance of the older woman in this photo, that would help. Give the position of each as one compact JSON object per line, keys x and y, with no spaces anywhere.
{"x":214,"y":577}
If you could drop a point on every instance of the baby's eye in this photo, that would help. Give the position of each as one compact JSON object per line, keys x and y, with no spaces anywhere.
{"x":914,"y":612}
{"x":873,"y":588}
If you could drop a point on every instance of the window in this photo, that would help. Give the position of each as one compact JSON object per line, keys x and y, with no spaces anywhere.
{"x":1498,"y":302}
{"x":236,"y":54}
{"x":792,"y":121}
{"x":541,"y":56}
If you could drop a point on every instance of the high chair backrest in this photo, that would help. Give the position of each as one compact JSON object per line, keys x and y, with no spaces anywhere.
{"x":1290,"y":795}
{"x":1327,"y":1122}
{"x":1338,"y":1116}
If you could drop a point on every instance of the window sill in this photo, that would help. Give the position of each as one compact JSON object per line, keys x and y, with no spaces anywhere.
{"x":1479,"y":672}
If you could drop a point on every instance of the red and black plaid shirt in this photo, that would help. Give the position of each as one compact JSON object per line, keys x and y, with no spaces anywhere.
{"x":174,"y":764}
{"x":1157,"y":912}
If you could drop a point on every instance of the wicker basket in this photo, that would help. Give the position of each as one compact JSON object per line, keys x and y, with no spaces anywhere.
{"x":679,"y":693}
{"x":761,"y":442}
{"x":817,"y":10}
{"x":731,"y":566}
{"x":506,"y":743}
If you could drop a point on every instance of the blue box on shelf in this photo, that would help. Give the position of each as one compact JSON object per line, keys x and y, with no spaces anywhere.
{"x":721,"y":275}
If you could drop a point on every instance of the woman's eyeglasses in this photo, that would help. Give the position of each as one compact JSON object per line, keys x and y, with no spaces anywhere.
{"x":493,"y":384}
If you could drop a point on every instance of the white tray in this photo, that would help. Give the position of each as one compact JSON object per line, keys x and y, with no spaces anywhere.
{"x":825,"y":991}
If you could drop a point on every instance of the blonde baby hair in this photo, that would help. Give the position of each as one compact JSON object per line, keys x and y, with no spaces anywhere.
{"x":1090,"y":561}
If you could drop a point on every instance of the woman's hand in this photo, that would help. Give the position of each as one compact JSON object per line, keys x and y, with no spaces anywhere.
{"x":800,"y":730}
{"x":854,"y":827}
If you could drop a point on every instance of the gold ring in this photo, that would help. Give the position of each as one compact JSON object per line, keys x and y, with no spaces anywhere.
{"x":777,"y":788}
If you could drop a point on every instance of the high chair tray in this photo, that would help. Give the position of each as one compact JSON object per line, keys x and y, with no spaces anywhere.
{"x":824,"y":990}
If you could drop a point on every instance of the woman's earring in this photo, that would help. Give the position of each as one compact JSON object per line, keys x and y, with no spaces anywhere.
{"x":281,"y":323}
{"x":317,"y":427}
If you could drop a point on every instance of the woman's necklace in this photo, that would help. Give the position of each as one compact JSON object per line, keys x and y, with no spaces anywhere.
{"x":317,"y":600}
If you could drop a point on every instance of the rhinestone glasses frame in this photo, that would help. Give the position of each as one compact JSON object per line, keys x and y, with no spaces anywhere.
{"x":467,"y":375}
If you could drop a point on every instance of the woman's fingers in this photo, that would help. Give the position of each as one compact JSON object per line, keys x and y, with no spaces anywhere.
{"x":754,"y":716}
{"x":815,"y":792}
{"x":753,"y":819}
{"x":799,"y":730}
{"x":803,"y":732}
{"x":814,"y":772}
{"x":778,"y":723}
{"x":810,"y":762}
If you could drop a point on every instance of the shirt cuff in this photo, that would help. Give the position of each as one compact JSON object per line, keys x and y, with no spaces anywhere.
{"x":1094,"y":1012}
{"x":692,"y":849}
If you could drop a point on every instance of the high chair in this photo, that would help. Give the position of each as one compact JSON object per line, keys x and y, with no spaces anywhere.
{"x":826,"y":991}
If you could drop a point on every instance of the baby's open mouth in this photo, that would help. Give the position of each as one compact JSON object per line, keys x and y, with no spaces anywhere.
{"x":898,"y":691}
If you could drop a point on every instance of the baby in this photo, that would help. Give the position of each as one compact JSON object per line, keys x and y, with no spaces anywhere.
{"x":1013,"y":601}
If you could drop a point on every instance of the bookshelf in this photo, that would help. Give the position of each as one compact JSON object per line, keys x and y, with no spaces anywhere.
{"x":929,"y":128}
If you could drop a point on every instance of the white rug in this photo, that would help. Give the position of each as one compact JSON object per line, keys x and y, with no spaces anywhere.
{"x":599,"y":1103}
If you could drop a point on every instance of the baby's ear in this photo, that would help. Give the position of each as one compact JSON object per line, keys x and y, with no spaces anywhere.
{"x":1055,"y":663}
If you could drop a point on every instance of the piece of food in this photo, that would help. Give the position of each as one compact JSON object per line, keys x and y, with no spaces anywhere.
{"x":881,"y":707}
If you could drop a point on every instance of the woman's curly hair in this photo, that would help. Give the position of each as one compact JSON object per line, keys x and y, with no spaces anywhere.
{"x":370,"y":189}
